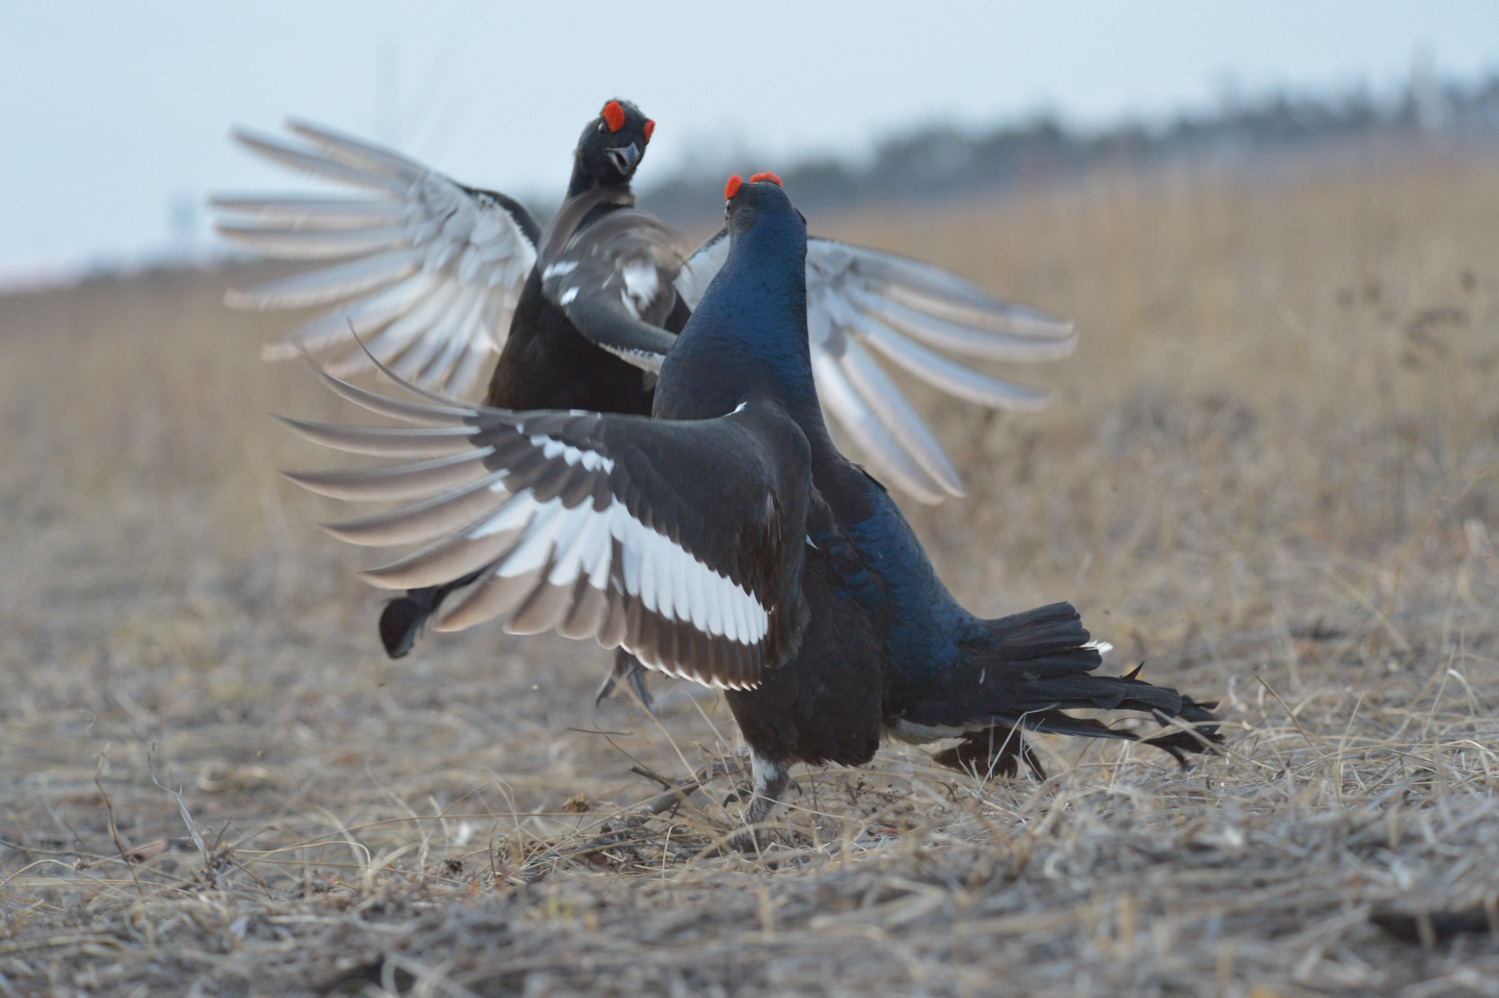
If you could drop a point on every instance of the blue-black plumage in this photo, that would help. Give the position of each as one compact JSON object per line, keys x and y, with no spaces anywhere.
{"x":726,"y":540}
{"x":939,"y":670}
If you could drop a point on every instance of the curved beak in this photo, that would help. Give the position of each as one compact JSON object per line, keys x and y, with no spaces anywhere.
{"x":624,"y":158}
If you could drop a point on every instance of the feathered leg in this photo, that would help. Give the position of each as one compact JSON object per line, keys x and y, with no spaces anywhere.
{"x":771,"y":780}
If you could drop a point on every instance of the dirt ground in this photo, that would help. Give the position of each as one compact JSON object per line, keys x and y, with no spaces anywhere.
{"x":1271,"y":472}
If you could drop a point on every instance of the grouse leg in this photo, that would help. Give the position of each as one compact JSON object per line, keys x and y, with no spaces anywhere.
{"x":771,"y":780}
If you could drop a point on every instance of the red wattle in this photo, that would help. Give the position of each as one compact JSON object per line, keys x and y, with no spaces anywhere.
{"x":614,"y":116}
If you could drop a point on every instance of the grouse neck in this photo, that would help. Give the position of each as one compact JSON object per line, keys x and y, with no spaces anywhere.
{"x":748,"y":337}
{"x":582,"y":180}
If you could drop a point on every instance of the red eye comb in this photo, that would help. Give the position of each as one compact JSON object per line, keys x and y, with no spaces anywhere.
{"x":650,"y":126}
{"x":614,"y":116}
{"x":767,"y":175}
{"x":732,"y":187}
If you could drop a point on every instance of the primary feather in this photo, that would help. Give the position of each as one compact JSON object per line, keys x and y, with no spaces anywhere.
{"x":435,"y":282}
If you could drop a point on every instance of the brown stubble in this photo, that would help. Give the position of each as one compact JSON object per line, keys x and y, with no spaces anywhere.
{"x":1283,"y":376}
{"x":1269,"y":471}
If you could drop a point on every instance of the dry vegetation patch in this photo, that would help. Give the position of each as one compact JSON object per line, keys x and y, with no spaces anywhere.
{"x":1270,"y":472}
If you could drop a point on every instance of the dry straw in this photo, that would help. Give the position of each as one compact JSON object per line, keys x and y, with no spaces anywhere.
{"x":1270,"y":472}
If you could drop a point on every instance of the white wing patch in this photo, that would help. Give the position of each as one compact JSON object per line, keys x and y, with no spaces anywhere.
{"x":672,"y":582}
{"x":642,"y":281}
{"x":565,"y":548}
{"x":523,"y":516}
{"x":592,"y":460}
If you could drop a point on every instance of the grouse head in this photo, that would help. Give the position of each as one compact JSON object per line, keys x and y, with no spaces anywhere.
{"x":760,"y":204}
{"x":612,"y":144}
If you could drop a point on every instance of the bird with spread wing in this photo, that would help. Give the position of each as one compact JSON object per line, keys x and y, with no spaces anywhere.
{"x":441,"y":279}
{"x":728,"y":542}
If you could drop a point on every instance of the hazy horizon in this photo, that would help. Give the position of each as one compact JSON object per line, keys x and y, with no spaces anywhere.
{"x":116,"y":119}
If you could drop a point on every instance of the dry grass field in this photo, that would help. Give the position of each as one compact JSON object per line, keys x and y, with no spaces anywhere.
{"x":1271,"y":472}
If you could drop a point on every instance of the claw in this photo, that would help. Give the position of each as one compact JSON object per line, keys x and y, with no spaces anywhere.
{"x":628,"y":668}
{"x":750,"y":840}
{"x":606,"y":688}
{"x":640,"y":687}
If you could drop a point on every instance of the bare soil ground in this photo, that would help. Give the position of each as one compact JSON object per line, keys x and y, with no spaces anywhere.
{"x":1271,"y":472}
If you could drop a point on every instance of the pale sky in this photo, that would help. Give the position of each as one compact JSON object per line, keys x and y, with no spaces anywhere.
{"x":112,"y":112}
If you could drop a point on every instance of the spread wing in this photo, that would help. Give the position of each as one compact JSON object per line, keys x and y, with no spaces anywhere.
{"x":430,"y":269}
{"x":678,"y":541}
{"x":862,"y":302}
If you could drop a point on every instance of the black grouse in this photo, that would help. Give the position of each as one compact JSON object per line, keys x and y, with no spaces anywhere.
{"x":728,"y":542}
{"x":443,"y":270}
{"x":445,"y":276}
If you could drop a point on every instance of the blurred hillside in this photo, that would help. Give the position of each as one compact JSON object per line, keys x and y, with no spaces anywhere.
{"x":1271,"y":138}
{"x":942,"y":162}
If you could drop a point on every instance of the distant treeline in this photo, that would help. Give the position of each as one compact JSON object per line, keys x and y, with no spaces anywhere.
{"x":944,"y":161}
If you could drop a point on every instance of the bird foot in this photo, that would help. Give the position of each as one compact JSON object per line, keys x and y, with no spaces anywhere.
{"x":771,"y":779}
{"x":750,"y":840}
{"x":629,"y":669}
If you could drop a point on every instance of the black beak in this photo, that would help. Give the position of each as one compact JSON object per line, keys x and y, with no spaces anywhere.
{"x":624,"y":158}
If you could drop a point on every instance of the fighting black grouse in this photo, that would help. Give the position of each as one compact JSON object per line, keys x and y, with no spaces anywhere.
{"x":728,"y":542}
{"x":444,"y":270}
{"x":443,"y":276}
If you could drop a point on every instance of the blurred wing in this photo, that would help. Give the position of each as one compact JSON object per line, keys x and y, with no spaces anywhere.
{"x":612,"y":275}
{"x":862,"y":302}
{"x":662,"y":537}
{"x":430,"y":270}
{"x":701,"y":267}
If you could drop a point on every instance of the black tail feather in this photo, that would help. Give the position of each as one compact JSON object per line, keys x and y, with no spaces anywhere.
{"x":1052,"y":634}
{"x":998,"y":749}
{"x":1202,"y":737}
{"x":1025,"y":671}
